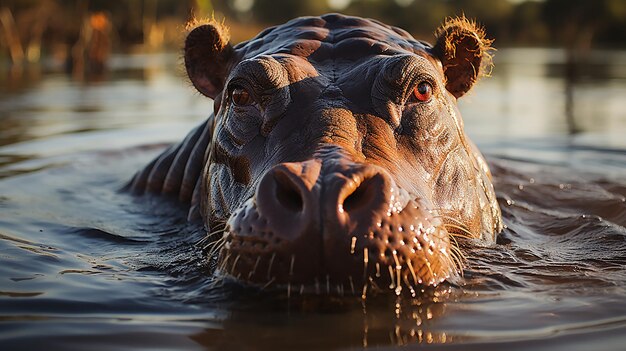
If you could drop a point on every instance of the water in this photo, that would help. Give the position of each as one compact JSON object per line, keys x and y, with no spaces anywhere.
{"x":84,"y":266}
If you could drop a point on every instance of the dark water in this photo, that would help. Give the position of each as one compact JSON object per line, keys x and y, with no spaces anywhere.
{"x":83,"y":266}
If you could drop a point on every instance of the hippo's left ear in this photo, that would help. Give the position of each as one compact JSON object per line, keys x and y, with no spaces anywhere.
{"x":464,"y":53}
{"x":207,"y":56}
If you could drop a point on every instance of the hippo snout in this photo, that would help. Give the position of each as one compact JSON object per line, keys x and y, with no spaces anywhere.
{"x":334,"y":226}
{"x":296,"y":198}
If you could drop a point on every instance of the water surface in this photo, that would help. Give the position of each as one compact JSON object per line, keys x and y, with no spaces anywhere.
{"x":85,"y":266}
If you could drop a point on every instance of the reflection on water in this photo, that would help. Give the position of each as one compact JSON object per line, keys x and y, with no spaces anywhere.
{"x":527,"y":97}
{"x":84,"y":266}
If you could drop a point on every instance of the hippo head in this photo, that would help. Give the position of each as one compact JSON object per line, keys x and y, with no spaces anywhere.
{"x":338,"y":157}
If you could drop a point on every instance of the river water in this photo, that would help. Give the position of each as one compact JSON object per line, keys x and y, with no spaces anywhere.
{"x":84,"y":266}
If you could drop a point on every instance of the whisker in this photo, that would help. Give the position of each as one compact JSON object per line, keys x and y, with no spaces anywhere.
{"x":398,"y":273}
{"x":268,"y":283}
{"x":405,"y":278}
{"x":457,"y":257}
{"x":269,"y":268}
{"x":220,"y":226}
{"x":256,"y":264}
{"x":445,"y":216}
{"x":293,"y":258}
{"x":222,"y":266}
{"x":216,"y":281}
{"x":215,"y":242}
{"x":410,"y":265}
{"x":327,"y":284}
{"x":207,"y":240}
{"x":454,"y":244}
{"x":365,"y":261}
{"x":457,"y":250}
{"x":375,"y":286}
{"x":364,"y":293}
{"x":232,"y":269}
{"x":464,"y":232}
{"x":392,"y":285}
{"x":214,"y":249}
{"x":351,"y":284}
{"x":432,"y":275}
{"x":458,"y":224}
{"x":217,"y":230}
{"x":207,"y":246}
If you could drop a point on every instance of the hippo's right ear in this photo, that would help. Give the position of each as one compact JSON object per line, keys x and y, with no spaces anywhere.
{"x":465,"y":53}
{"x":207,"y":56}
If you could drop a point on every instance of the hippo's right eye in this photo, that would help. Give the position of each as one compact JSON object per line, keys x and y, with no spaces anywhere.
{"x":240,"y":97}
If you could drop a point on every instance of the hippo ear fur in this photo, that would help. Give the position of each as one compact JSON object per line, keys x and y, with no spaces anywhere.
{"x":207,"y":56}
{"x":464,"y":52}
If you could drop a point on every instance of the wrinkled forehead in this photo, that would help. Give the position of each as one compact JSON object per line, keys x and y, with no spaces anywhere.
{"x":334,"y":38}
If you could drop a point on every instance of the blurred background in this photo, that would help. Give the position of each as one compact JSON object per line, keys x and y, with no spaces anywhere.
{"x":32,"y":29}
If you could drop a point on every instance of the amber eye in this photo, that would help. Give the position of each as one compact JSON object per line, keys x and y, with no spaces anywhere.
{"x":423,"y":91}
{"x":240,"y":97}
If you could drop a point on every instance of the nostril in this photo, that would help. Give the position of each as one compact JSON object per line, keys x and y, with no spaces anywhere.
{"x":362,"y":196}
{"x":287,"y":192}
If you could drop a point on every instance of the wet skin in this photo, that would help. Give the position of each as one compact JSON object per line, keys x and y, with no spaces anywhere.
{"x":336,"y":156}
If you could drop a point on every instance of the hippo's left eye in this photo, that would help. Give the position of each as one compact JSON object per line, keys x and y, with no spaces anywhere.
{"x":423,"y":92}
{"x":240,"y":97}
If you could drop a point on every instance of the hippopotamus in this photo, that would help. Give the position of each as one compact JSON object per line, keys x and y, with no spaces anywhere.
{"x":335,"y":159}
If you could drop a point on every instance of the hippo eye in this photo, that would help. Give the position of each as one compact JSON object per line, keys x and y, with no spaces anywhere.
{"x":423,"y":92}
{"x":240,"y":97}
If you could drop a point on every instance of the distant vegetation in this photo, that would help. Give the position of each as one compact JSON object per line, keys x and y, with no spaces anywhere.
{"x":549,"y":22}
{"x":30,"y":28}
